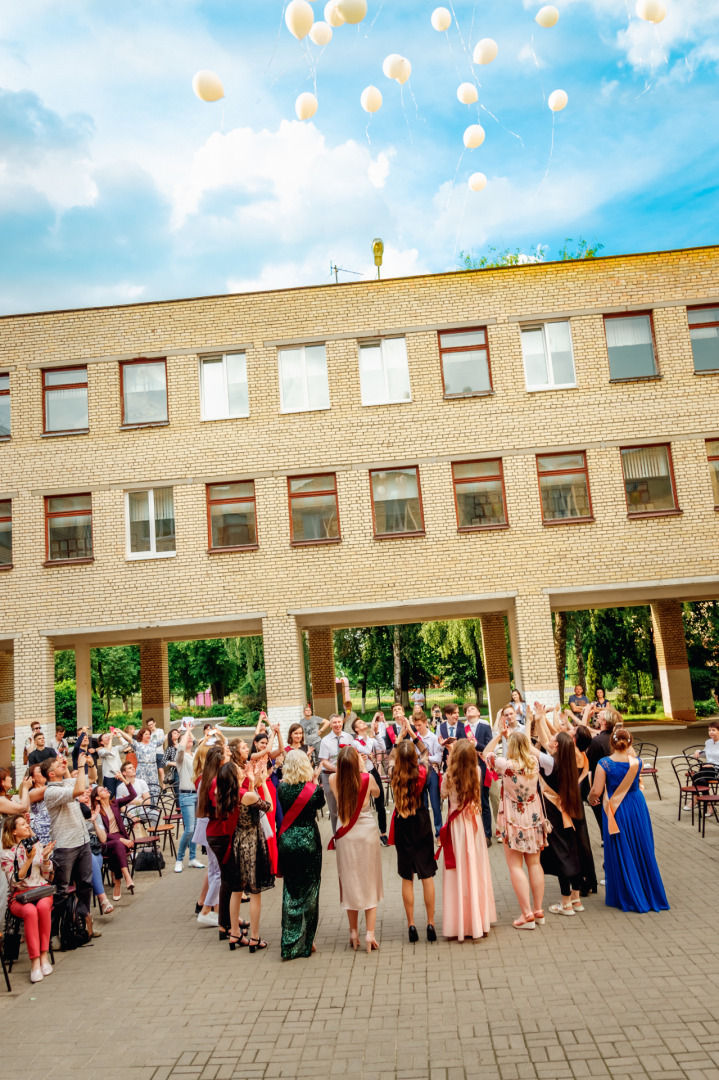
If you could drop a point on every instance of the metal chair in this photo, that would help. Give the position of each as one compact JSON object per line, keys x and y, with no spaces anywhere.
{"x":169,"y":811}
{"x":683,"y":773}
{"x":141,"y":830}
{"x":648,"y":752}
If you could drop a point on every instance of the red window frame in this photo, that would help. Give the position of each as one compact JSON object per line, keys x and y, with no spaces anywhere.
{"x":701,"y":326}
{"x":62,"y":386}
{"x":565,"y":472}
{"x":464,"y":348}
{"x":651,"y":513}
{"x":142,"y":360}
{"x":4,"y":518}
{"x":710,"y":457}
{"x":51,"y":516}
{"x":397,"y":535}
{"x":308,"y":495}
{"x":479,"y":479}
{"x":234,"y":499}
{"x":633,"y":315}
{"x":5,"y":393}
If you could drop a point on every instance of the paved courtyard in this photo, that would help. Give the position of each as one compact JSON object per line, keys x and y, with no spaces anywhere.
{"x":601,"y":995}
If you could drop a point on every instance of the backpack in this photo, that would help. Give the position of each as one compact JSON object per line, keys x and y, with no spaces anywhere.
{"x":73,"y":929}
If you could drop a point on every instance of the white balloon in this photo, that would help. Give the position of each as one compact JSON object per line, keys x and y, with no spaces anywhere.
{"x":557,"y":100}
{"x":306,"y":106}
{"x":371,"y":99}
{"x":547,"y":16}
{"x":392,"y":66}
{"x":651,"y":10}
{"x":207,"y":86}
{"x":467,"y":93}
{"x":477,"y":181}
{"x":485,"y":51}
{"x":441,"y":19}
{"x":333,"y":15}
{"x":321,"y":33}
{"x":299,"y":17}
{"x":405,"y":70}
{"x":352,"y":11}
{"x":473,"y":136}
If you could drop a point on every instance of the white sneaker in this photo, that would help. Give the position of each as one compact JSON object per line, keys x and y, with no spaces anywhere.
{"x":179,"y":867}
{"x":210,"y":919}
{"x":196,"y":863}
{"x":36,"y":976}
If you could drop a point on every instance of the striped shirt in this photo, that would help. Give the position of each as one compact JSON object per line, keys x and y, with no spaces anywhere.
{"x":67,"y":825}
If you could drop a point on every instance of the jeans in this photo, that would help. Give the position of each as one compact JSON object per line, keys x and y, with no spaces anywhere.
{"x":98,"y":885}
{"x":431,"y":795}
{"x":71,"y":864}
{"x":188,"y":805}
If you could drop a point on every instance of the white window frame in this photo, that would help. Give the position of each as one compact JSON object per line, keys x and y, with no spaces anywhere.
{"x":229,"y":415}
{"x":531,"y":389}
{"x":301,"y":349}
{"x":152,"y":553}
{"x":387,"y":400}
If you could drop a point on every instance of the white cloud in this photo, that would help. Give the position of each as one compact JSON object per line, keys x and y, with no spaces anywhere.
{"x":528,"y":55}
{"x":378,"y":170}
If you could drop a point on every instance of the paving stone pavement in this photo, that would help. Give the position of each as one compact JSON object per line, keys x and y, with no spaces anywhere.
{"x":604,"y":994}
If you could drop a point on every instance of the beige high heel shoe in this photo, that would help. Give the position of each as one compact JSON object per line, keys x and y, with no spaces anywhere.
{"x":354,"y":939}
{"x":372,"y":943}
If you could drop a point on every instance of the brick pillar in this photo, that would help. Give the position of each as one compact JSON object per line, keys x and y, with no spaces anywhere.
{"x":496,"y":664}
{"x":322,"y":670}
{"x":154,"y":683}
{"x":284,"y":670}
{"x":34,"y":681}
{"x":671,"y":646}
{"x":532,"y":643}
{"x":7,"y":709}
{"x":83,"y":686}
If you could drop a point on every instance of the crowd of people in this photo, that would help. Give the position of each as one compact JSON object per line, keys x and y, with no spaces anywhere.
{"x":253,"y":807}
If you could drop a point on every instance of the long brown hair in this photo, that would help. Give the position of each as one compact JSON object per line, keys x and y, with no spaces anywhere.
{"x":214,"y":759}
{"x":565,"y":762}
{"x":463,"y":776}
{"x":348,"y":782}
{"x":404,"y":780}
{"x":228,"y":790}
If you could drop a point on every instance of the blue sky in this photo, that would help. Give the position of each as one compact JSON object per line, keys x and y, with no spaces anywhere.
{"x":117,"y":184}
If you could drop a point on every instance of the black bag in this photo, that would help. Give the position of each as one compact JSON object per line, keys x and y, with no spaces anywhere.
{"x":33,"y":894}
{"x":73,"y":929}
{"x":145,"y":860}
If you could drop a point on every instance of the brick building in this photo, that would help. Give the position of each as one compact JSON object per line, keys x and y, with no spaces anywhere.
{"x":500,"y":443}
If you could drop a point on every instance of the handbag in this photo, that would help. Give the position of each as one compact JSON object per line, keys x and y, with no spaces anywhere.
{"x":33,"y":894}
{"x":266,"y":827}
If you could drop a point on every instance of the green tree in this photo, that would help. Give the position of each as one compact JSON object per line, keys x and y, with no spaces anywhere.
{"x":508,"y":257}
{"x":115,"y":672}
{"x":593,"y":677}
{"x":248,"y":655}
{"x":214,"y":667}
{"x":459,"y":661}
{"x":64,"y":665}
{"x":66,"y":707}
{"x":182,"y":673}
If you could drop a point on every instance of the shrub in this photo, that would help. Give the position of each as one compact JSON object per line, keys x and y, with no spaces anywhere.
{"x":66,"y":707}
{"x":706,"y":708}
{"x":704,"y":681}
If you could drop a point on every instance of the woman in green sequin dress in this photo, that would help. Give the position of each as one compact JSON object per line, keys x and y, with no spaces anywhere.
{"x":300,"y":859}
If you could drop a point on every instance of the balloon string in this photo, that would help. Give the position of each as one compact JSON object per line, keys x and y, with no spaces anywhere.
{"x":508,"y":130}
{"x":366,"y":130}
{"x":310,"y":64}
{"x":475,"y":79}
{"x":274,"y":47}
{"x":549,"y":160}
{"x":379,"y":12}
{"x":414,"y":99}
{"x":454,"y":179}
{"x":461,"y":222}
{"x":451,"y":53}
{"x":401,"y":98}
{"x":539,"y":74}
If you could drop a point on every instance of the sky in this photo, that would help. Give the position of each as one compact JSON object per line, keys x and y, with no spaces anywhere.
{"x":117,"y":184}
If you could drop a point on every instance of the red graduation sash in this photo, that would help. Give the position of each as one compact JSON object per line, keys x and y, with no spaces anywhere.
{"x":392,"y":734}
{"x":421,"y":780}
{"x":297,"y":807}
{"x":445,"y":840}
{"x":344,"y":829}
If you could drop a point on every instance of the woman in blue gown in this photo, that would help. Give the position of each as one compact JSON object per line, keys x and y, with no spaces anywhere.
{"x":633,"y":881}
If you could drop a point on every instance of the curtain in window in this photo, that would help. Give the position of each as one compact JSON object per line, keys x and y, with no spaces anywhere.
{"x":645,"y":463}
{"x":630,"y":331}
{"x":164,"y":506}
{"x":139,"y":506}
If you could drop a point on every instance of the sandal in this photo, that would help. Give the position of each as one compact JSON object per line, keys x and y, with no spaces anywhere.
{"x":577,"y":905}
{"x":524,"y":922}
{"x":106,"y":907}
{"x":371,"y":941}
{"x":539,"y":917}
{"x":116,"y":898}
{"x":354,"y":939}
{"x":238,"y":943}
{"x":560,"y":909}
{"x":258,"y":944}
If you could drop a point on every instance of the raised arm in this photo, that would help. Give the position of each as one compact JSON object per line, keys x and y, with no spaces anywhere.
{"x":600,"y":779}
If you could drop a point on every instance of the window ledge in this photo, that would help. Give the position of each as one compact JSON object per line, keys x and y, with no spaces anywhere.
{"x":637,"y":378}
{"x":149,"y":423}
{"x":240,"y":547}
{"x":69,"y":562}
{"x":5,"y":438}
{"x":72,"y":431}
{"x":569,"y":521}
{"x":480,"y":528}
{"x":707,"y":371}
{"x":219,"y":419}
{"x":470,"y":394}
{"x":8,"y":565}
{"x":314,"y":543}
{"x":380,"y":404}
{"x":655,"y":513}
{"x":545,"y":389}
{"x":310,"y":408}
{"x":138,"y":556}
{"x":398,"y":535}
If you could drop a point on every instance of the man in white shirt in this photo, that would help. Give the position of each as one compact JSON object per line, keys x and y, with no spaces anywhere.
{"x":366,"y":743}
{"x":142,"y":791}
{"x":328,"y":752}
{"x":187,"y":802}
{"x":418,"y":698}
{"x":431,"y":791}
{"x":35,"y":728}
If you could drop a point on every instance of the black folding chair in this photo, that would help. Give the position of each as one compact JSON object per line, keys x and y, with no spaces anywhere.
{"x":648,"y":752}
{"x":141,"y":830}
{"x":687,"y":789}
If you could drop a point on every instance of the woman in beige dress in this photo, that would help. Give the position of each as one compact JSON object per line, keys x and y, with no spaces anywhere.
{"x":359,"y":859}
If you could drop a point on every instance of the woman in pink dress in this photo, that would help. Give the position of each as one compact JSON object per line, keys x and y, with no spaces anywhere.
{"x":521,"y":824}
{"x":467,"y":896}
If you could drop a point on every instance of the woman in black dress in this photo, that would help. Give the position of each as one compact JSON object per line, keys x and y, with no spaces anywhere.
{"x":411,"y":833}
{"x":250,"y":870}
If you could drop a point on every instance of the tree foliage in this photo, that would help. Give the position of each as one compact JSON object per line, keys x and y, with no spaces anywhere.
{"x":507,"y":257}
{"x":457,"y":645}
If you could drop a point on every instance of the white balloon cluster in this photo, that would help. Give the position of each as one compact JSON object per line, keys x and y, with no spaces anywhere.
{"x":397,"y":67}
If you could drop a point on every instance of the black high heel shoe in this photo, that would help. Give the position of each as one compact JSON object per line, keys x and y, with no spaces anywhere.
{"x":224,"y":934}
{"x":238,"y":943}
{"x":257,"y":944}
{"x":431,"y":932}
{"x":413,"y":935}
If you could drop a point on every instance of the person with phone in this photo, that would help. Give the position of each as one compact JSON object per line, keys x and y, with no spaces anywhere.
{"x":72,"y":856}
{"x":27,"y":866}
{"x":110,"y":761}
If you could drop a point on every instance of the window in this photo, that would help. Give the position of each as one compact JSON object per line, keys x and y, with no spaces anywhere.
{"x":396,"y":502}
{"x":648,"y":480}
{"x":231,"y":516}
{"x":68,"y":528}
{"x":65,"y":400}
{"x":548,"y":357}
{"x":384,"y":375}
{"x":630,"y":343}
{"x":479,"y":494}
{"x":223,"y":386}
{"x":4,"y":406}
{"x":150,"y":523}
{"x":704,"y":334}
{"x":713,"y":459}
{"x":465,"y":362}
{"x":303,"y":379}
{"x":314,"y":515}
{"x":564,"y":487}
{"x":5,"y":534}
{"x":143,"y":385}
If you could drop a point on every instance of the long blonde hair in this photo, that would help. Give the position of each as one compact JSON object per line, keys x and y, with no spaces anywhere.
{"x":297,"y":768}
{"x":518,"y":752}
{"x":463,"y":775}
{"x":198,"y":762}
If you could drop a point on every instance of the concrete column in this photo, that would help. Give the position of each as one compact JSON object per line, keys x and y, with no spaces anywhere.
{"x":496,"y":664}
{"x":671,"y":646}
{"x":532,"y":644}
{"x":7,"y":709}
{"x":322,"y":670}
{"x":154,"y":682}
{"x":83,"y":686}
{"x":34,"y":679}
{"x":284,"y":670}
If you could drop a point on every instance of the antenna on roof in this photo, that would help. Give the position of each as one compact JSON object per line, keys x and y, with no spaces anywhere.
{"x":337,"y":270}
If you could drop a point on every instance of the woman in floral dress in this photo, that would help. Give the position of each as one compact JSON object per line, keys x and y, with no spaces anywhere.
{"x":521,"y":826}
{"x":146,"y":753}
